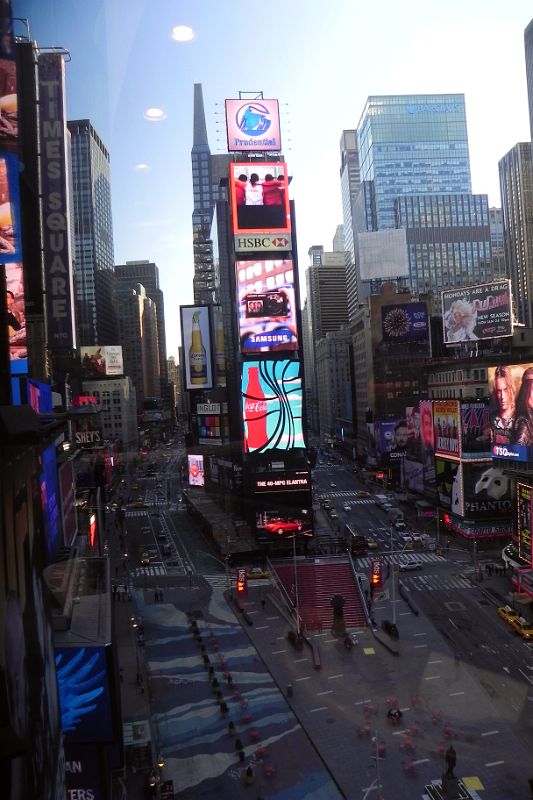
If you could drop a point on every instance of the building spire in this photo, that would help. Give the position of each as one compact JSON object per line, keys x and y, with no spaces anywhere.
{"x":200,"y":128}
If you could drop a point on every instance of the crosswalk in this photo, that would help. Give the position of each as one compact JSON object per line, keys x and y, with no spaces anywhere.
{"x":137,"y":512}
{"x":432,"y":583}
{"x":151,"y":571}
{"x":386,"y":558}
{"x":349,"y":495}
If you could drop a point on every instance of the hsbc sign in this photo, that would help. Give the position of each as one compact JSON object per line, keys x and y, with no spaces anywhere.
{"x":263,"y":243}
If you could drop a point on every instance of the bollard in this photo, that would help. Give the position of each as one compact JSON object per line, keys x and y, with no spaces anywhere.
{"x":289,"y":690}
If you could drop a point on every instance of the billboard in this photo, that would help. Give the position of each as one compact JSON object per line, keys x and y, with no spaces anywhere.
{"x":383,"y":254}
{"x":10,"y":239}
{"x":447,"y":482}
{"x":39,"y":396}
{"x":16,"y":318}
{"x":57,"y":255}
{"x":196,"y":340}
{"x":524,"y":494}
{"x":475,"y":430}
{"x":393,"y":439}
{"x":267,"y":306}
{"x":259,"y":195}
{"x":50,"y":499}
{"x":220,"y":348}
{"x":282,"y":523}
{"x":447,"y":428}
{"x":84,"y":694}
{"x":8,"y":106}
{"x":253,"y":126}
{"x":427,"y":445}
{"x":101,"y":362}
{"x":510,"y":411}
{"x":486,"y":491}
{"x":294,"y":481}
{"x":272,"y":406}
{"x":196,"y":470}
{"x":405,"y":322}
{"x":477,"y":312}
{"x":67,"y":488}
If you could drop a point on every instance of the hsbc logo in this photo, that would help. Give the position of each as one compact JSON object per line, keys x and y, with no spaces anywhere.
{"x":263,"y":243}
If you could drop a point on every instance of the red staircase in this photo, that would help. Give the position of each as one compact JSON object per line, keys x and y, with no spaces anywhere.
{"x":317,"y":583}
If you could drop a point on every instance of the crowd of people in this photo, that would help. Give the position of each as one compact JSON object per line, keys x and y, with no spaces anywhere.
{"x":260,"y":202}
{"x":512,"y":417}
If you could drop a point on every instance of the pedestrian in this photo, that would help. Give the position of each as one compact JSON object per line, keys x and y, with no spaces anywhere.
{"x":121,"y":675}
{"x":161,"y":595}
{"x":263,"y":603}
{"x":116,"y":572}
{"x":156,"y":596}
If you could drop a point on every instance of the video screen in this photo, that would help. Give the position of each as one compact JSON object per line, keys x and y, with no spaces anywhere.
{"x":260,"y":198}
{"x":282,"y":524}
{"x":272,"y":406}
{"x":267,"y":306}
{"x":196,"y":470}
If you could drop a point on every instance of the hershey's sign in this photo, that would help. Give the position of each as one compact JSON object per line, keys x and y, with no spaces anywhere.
{"x":88,"y":437}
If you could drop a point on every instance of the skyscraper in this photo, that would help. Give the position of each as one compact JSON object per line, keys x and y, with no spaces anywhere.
{"x":350,"y":185}
{"x":138,"y":336}
{"x":93,"y":236}
{"x":528,"y":45}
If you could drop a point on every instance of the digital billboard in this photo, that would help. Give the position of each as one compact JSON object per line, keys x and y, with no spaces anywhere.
{"x":259,"y":195}
{"x":39,"y":396}
{"x":84,"y":694}
{"x":50,"y":499}
{"x":293,"y":481}
{"x":405,"y":322}
{"x":272,"y":406}
{"x":100,"y":362}
{"x":196,"y":470}
{"x":196,"y":340}
{"x":8,"y":106}
{"x":253,"y":126}
{"x":282,"y":524}
{"x":511,"y":411}
{"x":67,"y":486}
{"x":477,"y":312}
{"x":447,"y":428}
{"x":447,"y":483}
{"x":267,"y":306}
{"x":16,"y":318}
{"x":475,"y":430}
{"x":486,"y":491}
{"x":524,"y":494}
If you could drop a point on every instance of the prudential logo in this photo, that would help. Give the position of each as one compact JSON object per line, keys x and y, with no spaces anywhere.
{"x":253,"y":119}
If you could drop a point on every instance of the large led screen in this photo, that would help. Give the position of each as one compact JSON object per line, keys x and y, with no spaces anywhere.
{"x":67,"y":486}
{"x":282,"y":524}
{"x":16,"y":319}
{"x":196,"y":339}
{"x":84,"y":695}
{"x":294,"y":481}
{"x":267,"y":306}
{"x":524,"y":493}
{"x":50,"y":499}
{"x":272,"y":406}
{"x":196,"y":470}
{"x":477,"y":312}
{"x":427,"y":445}
{"x":475,"y":430}
{"x":447,"y":427}
{"x":253,"y":126}
{"x":405,"y":322}
{"x":8,"y":106}
{"x":260,"y":198}
{"x":511,"y":411}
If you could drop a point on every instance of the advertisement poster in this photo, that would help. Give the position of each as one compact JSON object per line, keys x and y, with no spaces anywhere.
{"x":427,"y":446}
{"x":84,"y":696}
{"x":253,"y":126}
{"x":196,"y":339}
{"x":511,"y":411}
{"x":293,"y":481}
{"x":196,"y":470}
{"x":524,"y":493}
{"x":259,"y":195}
{"x":267,"y":306}
{"x":447,"y":483}
{"x":446,"y":427}
{"x":8,"y":106}
{"x":50,"y":499}
{"x":475,"y":430}
{"x":283,"y":524}
{"x":486,"y":490}
{"x":405,"y":322}
{"x":220,"y":347}
{"x":101,"y":362}
{"x":272,"y":406}
{"x":477,"y":312}
{"x":67,"y":487}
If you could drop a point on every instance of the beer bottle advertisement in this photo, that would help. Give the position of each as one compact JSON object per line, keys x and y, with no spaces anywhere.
{"x":272,"y":406}
{"x":196,"y":346}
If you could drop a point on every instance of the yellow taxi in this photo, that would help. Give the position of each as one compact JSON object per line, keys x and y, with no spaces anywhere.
{"x":372,"y":544}
{"x":256,"y":572}
{"x":523,"y":628}
{"x":362,"y":493}
{"x":508,"y":614}
{"x":144,"y":558}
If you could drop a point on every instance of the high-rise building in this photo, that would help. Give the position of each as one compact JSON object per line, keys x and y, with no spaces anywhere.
{"x":137,"y":316}
{"x":528,"y":45}
{"x":93,"y":236}
{"x":350,"y":186}
{"x":497,"y":245}
{"x":338,"y":239}
{"x":516,"y":188}
{"x":128,"y":275}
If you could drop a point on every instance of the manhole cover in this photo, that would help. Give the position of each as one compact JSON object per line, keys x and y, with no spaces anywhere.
{"x":454,"y":606}
{"x":330,"y":720}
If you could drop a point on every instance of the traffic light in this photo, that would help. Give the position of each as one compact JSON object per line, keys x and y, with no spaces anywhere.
{"x":376,"y":576}
{"x":241,"y":581}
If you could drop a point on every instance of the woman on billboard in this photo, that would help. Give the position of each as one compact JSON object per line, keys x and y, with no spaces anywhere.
{"x":523,"y":425}
{"x":502,"y":417}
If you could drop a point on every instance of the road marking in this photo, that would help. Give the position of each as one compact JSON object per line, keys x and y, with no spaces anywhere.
{"x":494,"y":763}
{"x":404,"y":614}
{"x":438,"y":661}
{"x":421,"y":761}
{"x":432,"y":678}
{"x":276,"y":652}
{"x":328,"y":691}
{"x":420,"y":634}
{"x":299,"y":660}
{"x":305,"y":678}
{"x":407,"y":708}
{"x":399,"y":733}
{"x":328,"y":641}
{"x":262,"y":627}
{"x":417,"y":646}
{"x":361,"y":702}
{"x":332,"y":677}
{"x":314,"y":710}
{"x":272,"y":617}
{"x":279,"y":638}
{"x":455,"y":694}
{"x":490,"y":733}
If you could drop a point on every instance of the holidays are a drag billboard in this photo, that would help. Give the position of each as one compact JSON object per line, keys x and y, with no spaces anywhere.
{"x":272,"y":405}
{"x":511,"y":411}
{"x":477,"y":312}
{"x":260,"y":198}
{"x":267,"y":306}
{"x":253,"y":126}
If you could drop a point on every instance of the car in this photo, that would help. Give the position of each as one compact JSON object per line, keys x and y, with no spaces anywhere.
{"x":400,"y":526}
{"x":372,"y":544}
{"x":409,"y":564}
{"x":256,"y":572}
{"x":281,"y":526}
{"x":146,"y":530}
{"x":327,"y":506}
{"x":508,"y":614}
{"x":161,"y":536}
{"x":405,"y":537}
{"x":333,"y":485}
{"x":523,"y":628}
{"x":144,"y":558}
{"x":362,"y":493}
{"x":346,"y":508}
{"x":333,"y":514}
{"x":139,"y":503}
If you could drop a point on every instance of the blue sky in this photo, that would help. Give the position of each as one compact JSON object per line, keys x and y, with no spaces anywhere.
{"x":320,"y":59}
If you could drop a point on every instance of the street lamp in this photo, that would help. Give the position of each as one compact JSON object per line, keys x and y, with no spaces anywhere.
{"x":296,"y":586}
{"x":393,"y":576}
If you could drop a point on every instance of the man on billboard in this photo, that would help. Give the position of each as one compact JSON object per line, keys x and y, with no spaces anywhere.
{"x":503,"y":415}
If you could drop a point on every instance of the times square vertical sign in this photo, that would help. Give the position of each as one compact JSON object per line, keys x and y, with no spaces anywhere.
{"x":55,"y":204}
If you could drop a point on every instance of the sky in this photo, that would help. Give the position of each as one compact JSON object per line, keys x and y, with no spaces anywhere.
{"x":320,"y":60}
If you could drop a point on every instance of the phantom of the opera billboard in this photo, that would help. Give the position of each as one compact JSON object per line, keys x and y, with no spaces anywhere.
{"x":477,"y":312}
{"x":101,"y":362}
{"x":253,"y":126}
{"x":260,"y":198}
{"x":511,"y":411}
{"x":267,"y":306}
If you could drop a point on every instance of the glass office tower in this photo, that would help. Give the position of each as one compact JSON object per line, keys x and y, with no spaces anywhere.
{"x":410,"y":144}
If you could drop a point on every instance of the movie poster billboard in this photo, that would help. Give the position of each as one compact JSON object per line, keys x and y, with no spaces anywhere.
{"x":524,"y":494}
{"x":267,"y":306}
{"x":412,"y":475}
{"x":393,"y":440}
{"x":447,"y":483}
{"x":259,"y":195}
{"x":475,"y":430}
{"x":8,"y":106}
{"x":196,"y":470}
{"x":427,"y":445}
{"x":84,"y":693}
{"x":102,"y":362}
{"x":477,"y":312}
{"x":283,"y":523}
{"x":272,"y":406}
{"x":253,"y":126}
{"x":196,"y":340}
{"x":486,"y":491}
{"x":405,"y":322}
{"x":510,"y":411}
{"x":447,"y":428}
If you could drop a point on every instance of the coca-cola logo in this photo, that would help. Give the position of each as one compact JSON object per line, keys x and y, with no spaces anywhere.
{"x":255,"y":406}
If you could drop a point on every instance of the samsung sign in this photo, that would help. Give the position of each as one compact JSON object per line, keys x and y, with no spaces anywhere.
{"x":434,"y":108}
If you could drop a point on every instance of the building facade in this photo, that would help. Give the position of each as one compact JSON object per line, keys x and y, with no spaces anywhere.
{"x":137,"y":316}
{"x":118,"y":402}
{"x":350,"y":186}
